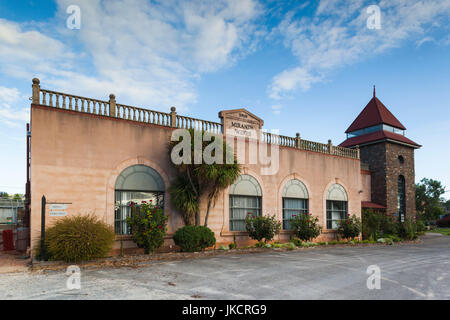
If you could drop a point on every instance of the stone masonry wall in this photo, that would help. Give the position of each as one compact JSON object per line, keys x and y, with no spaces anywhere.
{"x":375,"y":156}
{"x":394,"y":168}
{"x":386,"y":167}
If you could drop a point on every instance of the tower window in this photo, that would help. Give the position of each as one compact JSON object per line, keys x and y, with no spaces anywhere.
{"x":401,"y":159}
{"x":401,"y":198}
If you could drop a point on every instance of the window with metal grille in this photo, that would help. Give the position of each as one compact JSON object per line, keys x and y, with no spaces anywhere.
{"x":336,"y":210}
{"x":240,"y":207}
{"x":123,"y":209}
{"x":136,"y":184}
{"x":292,"y":207}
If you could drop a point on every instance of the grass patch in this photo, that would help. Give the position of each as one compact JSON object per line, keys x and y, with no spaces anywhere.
{"x":444,"y":231}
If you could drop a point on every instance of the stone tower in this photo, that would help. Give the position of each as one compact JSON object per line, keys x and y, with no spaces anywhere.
{"x":389,"y":155}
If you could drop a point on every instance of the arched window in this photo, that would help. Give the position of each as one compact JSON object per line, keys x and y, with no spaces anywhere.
{"x":245,"y":198}
{"x":136,"y":184}
{"x":295,"y":201}
{"x":337,"y":206}
{"x":401,"y":198}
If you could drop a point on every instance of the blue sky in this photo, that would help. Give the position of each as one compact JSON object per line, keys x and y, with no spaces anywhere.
{"x":302,"y":66}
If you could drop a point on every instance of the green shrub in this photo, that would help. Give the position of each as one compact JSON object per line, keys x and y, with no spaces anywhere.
{"x":407,"y":229}
{"x":262,"y":227}
{"x":393,"y":237}
{"x":309,"y":244}
{"x":148,"y":226}
{"x":277,"y":245}
{"x":376,"y":224}
{"x":297,"y":242}
{"x":420,"y":226}
{"x":194,"y":238}
{"x":385,"y":240}
{"x":365,"y":241}
{"x":305,"y":226}
{"x":289,"y":246}
{"x":333,"y":242}
{"x":234,"y":244}
{"x":349,"y":228}
{"x":222,"y":247}
{"x":78,"y":238}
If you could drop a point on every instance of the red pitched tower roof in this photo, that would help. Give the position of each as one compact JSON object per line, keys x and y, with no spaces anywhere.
{"x":373,"y":114}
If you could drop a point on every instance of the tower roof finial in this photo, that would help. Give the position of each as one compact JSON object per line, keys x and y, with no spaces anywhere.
{"x":374,"y":95}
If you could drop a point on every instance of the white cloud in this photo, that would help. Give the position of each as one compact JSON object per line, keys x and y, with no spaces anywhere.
{"x":424,"y":40}
{"x":276,"y":109}
{"x":10,"y":113}
{"x":147,"y":53}
{"x":337,"y":36}
{"x":291,"y":79}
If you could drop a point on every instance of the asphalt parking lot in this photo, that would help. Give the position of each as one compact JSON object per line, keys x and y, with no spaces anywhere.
{"x":410,"y":271}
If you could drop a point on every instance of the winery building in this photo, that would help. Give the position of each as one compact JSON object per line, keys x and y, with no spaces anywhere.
{"x":90,"y":156}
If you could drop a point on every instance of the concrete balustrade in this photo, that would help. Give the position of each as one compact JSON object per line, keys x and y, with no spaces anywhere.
{"x":110,"y":108}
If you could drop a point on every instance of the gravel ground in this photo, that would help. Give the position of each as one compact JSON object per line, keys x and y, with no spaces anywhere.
{"x":409,"y":271}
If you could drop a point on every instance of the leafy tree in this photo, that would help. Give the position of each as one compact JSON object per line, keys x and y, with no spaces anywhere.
{"x":4,"y":195}
{"x":447,"y":205}
{"x":199,"y":179}
{"x":17,"y":196}
{"x":428,"y":199}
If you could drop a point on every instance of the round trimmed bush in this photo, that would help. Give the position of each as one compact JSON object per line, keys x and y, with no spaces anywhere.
{"x":194,"y":238}
{"x":78,"y":238}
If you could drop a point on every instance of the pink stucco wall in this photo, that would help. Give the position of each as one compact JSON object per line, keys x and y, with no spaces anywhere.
{"x":76,"y":158}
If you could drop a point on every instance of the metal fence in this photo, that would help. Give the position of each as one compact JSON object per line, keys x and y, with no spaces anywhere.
{"x":11,"y":211}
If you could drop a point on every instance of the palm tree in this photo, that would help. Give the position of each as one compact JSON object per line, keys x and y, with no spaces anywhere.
{"x":197,"y":180}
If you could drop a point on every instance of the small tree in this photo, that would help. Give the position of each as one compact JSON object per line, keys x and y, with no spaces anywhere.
{"x":148,"y":226}
{"x":429,"y":204}
{"x":262,"y":227}
{"x":17,"y":196}
{"x":4,"y":195}
{"x":305,"y":226}
{"x":196,"y":180}
{"x":349,"y":228}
